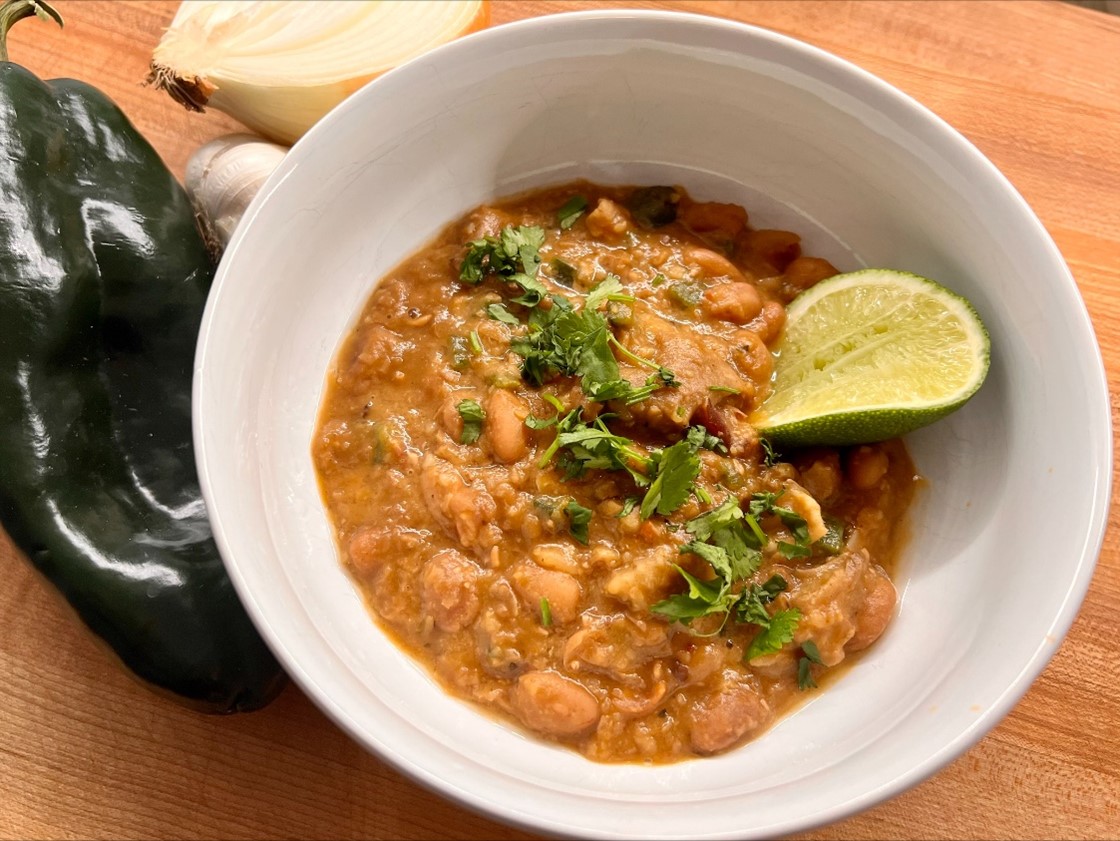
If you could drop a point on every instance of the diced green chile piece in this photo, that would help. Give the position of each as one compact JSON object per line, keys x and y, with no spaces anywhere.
{"x":833,"y":540}
{"x":687,"y":294}
{"x":103,"y":278}
{"x":652,"y":207}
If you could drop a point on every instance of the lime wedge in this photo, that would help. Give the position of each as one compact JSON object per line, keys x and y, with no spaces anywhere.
{"x":871,"y":355}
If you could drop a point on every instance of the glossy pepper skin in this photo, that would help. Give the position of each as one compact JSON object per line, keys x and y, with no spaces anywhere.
{"x":103,"y":278}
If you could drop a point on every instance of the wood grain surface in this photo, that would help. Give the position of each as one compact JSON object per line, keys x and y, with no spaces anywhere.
{"x":85,"y":752}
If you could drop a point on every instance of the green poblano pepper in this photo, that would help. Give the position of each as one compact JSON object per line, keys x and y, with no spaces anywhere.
{"x":103,"y":278}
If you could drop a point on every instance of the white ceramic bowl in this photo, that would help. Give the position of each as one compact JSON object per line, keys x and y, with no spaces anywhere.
{"x":1003,"y":539}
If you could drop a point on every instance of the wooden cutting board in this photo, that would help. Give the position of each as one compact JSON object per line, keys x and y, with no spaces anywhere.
{"x":85,"y":752}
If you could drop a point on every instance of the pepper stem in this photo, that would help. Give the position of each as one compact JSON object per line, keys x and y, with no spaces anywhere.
{"x":13,"y":10}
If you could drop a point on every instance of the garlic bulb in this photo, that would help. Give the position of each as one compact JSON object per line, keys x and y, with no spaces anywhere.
{"x":279,"y":65}
{"x":223,"y":177}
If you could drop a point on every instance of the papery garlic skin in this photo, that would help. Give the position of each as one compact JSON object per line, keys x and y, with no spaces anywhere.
{"x":280,"y":65}
{"x":222,"y":178}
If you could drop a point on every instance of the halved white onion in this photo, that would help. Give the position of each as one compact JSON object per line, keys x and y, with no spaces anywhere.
{"x":279,"y":65}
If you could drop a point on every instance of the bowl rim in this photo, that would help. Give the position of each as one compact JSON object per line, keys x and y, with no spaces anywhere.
{"x":934,"y":130}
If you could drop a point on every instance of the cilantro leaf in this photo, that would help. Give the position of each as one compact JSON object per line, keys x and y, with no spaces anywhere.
{"x":769,"y":457}
{"x":794,"y":550}
{"x":532,"y":290}
{"x":609,"y":289}
{"x":717,"y":518}
{"x":777,"y":633}
{"x":533,"y":422}
{"x":677,"y":468}
{"x":795,"y":523}
{"x":810,"y":654}
{"x":703,"y":598}
{"x":628,"y":505}
{"x":716,"y":556}
{"x":514,"y":255}
{"x":579,"y":519}
{"x":593,"y":446}
{"x":751,"y":607}
{"x":567,"y":343}
{"x":498,"y":312}
{"x":524,"y":244}
{"x":473,"y":416}
{"x":573,"y":208}
{"x":700,"y":438}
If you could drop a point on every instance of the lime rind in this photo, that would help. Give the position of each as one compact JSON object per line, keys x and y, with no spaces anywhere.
{"x":871,"y":355}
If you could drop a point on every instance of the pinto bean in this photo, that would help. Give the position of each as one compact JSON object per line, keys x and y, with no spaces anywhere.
{"x":805,"y":272}
{"x":752,"y":358}
{"x":465,"y":510}
{"x":737,"y":302}
{"x":562,"y":590}
{"x":778,"y":248}
{"x":719,"y":721}
{"x":710,"y":217}
{"x":367,"y":549}
{"x":449,"y":590}
{"x":712,"y":264}
{"x":554,"y":705}
{"x":878,"y":607}
{"x":770,"y":322}
{"x":505,"y":425}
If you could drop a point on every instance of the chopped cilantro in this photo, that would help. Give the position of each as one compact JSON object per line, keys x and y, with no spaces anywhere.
{"x":769,"y":457}
{"x":730,"y":540}
{"x":609,"y":289}
{"x":810,"y":650}
{"x":833,"y":540}
{"x":578,"y":343}
{"x":702,"y":439}
{"x":628,"y":505}
{"x":704,"y":598}
{"x":533,"y":422}
{"x":476,"y":342}
{"x":498,"y":312}
{"x":579,"y":519}
{"x":809,"y":654}
{"x":794,"y":550}
{"x":513,"y":255}
{"x":675,"y":469}
{"x":594,"y":447}
{"x":473,"y":416}
{"x":546,"y":613}
{"x":751,"y":607}
{"x":778,"y":632}
{"x":573,"y":208}
{"x":666,"y":377}
{"x":657,"y":280}
{"x":724,"y":389}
